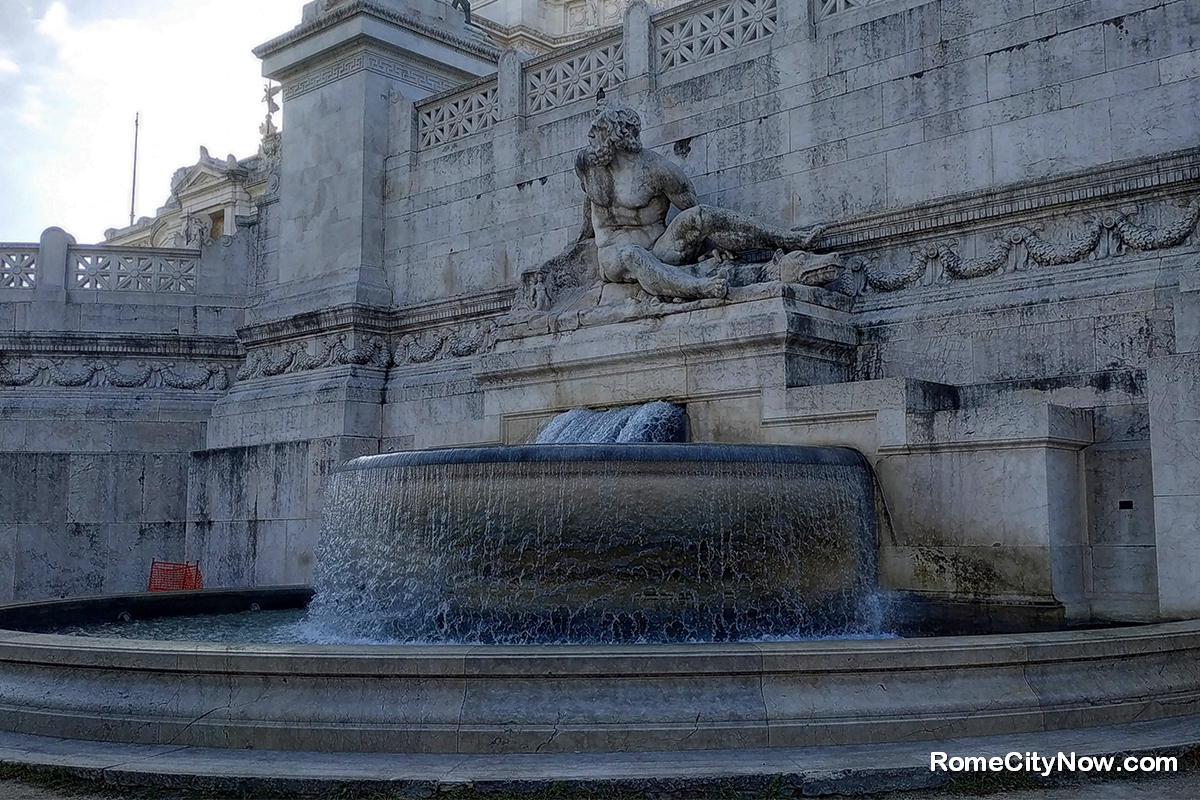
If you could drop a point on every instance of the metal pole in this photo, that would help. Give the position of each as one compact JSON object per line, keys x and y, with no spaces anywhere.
{"x":133,"y":192}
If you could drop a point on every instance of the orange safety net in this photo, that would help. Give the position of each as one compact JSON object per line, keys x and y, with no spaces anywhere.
{"x":172,"y":576}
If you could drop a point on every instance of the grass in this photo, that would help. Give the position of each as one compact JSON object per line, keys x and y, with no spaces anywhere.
{"x":74,"y":784}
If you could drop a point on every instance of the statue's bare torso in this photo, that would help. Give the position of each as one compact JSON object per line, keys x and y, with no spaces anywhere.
{"x":628,"y":201}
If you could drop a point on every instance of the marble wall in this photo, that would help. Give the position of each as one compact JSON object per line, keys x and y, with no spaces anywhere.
{"x":1016,"y":187}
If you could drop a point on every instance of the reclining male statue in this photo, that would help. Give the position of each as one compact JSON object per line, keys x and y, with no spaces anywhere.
{"x":629,"y":191}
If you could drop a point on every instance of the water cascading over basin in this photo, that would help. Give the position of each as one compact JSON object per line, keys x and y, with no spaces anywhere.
{"x":598,"y":543}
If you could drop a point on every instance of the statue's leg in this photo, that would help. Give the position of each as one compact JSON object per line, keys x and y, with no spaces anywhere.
{"x":728,"y":230}
{"x":665,"y":280}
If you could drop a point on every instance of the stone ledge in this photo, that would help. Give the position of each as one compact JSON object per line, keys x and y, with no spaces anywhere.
{"x":1176,"y":172}
{"x":480,"y":699}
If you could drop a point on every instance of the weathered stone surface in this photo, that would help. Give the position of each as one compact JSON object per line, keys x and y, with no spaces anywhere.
{"x":578,"y":699}
{"x":1013,"y":190}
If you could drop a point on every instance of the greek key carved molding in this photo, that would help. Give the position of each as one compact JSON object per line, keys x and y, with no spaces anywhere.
{"x":370,"y":62}
{"x":74,"y":373}
{"x":1117,"y":227}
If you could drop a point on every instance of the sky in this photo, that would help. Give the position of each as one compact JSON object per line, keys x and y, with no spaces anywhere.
{"x":73,"y":73}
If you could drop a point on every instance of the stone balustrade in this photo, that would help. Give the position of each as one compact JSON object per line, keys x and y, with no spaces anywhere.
{"x":577,"y":74}
{"x":824,"y":9}
{"x":133,"y":269}
{"x":691,"y":34}
{"x":682,"y":36}
{"x":57,"y":262}
{"x":458,"y":114}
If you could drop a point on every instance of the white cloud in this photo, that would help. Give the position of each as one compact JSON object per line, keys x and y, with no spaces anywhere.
{"x":8,"y":66}
{"x":187,"y":67}
{"x":32,"y":111}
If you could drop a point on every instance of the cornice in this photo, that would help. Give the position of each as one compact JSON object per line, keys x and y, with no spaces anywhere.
{"x":338,"y":319}
{"x":373,"y":321}
{"x":103,"y":345}
{"x":367,"y":8}
{"x":1112,"y":182}
{"x":492,"y":303}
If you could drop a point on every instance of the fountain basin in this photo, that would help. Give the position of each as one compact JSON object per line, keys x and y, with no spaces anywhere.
{"x":566,"y":698}
{"x":600,"y":544}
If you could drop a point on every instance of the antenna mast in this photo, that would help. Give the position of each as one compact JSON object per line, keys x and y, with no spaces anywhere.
{"x":133,"y":192}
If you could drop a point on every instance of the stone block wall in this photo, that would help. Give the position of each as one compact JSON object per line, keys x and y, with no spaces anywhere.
{"x":110,"y":362}
{"x":254,"y":512}
{"x":805,"y":124}
{"x":1014,"y":185}
{"x":91,"y":504}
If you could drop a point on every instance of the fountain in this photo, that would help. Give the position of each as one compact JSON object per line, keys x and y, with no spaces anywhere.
{"x":998,"y":355}
{"x":592,"y":543}
{"x":627,"y":596}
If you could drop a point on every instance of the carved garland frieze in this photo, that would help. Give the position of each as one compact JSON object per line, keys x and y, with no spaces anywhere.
{"x":439,"y":344}
{"x":1116,"y":226}
{"x":421,"y":347}
{"x":98,"y":373}
{"x":305,"y":356}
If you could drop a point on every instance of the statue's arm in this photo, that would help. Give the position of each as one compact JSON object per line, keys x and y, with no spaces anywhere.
{"x":676,"y":186}
{"x":586,"y":231}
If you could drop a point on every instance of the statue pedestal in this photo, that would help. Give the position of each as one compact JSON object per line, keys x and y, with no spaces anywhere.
{"x":615,"y":346}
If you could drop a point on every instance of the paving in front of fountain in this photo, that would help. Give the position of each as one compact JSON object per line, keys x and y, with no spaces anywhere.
{"x":806,"y":771}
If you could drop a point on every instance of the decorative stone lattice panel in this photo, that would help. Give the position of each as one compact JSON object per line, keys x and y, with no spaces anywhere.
{"x":823,"y":9}
{"x":458,"y":116}
{"x":134,"y":270}
{"x":715,"y":29}
{"x":18,"y":267}
{"x":592,"y":15}
{"x":578,"y":77}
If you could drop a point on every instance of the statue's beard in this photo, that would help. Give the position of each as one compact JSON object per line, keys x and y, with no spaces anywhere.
{"x":604,"y":148}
